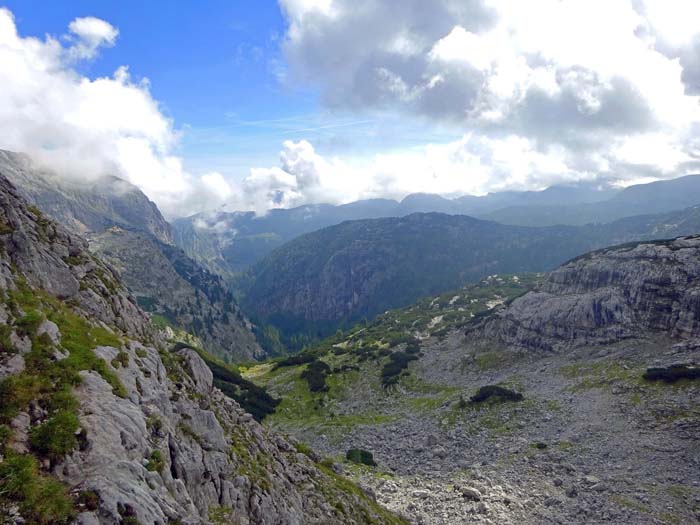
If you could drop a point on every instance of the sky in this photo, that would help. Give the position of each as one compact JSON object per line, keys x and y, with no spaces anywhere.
{"x":256,"y":104}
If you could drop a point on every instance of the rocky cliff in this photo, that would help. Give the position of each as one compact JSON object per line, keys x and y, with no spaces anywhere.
{"x":178,"y":292}
{"x":610,"y":295}
{"x":101,"y":424}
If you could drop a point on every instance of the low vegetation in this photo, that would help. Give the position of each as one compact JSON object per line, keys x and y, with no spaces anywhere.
{"x":360,"y":456}
{"x":253,"y":398}
{"x":315,"y":374}
{"x":398,"y":362}
{"x":673,"y":373}
{"x":47,"y":382}
{"x":495,"y":393}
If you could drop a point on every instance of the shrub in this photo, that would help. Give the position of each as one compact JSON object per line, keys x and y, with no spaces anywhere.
{"x":122,"y":359}
{"x":56,"y":437}
{"x":89,"y":499}
{"x":303,"y":448}
{"x":295,"y":360}
{"x":253,"y":398}
{"x":361,"y":457}
{"x":398,"y":362}
{"x":156,"y":463}
{"x":672,"y":373}
{"x":497,"y":393}
{"x":315,"y":374}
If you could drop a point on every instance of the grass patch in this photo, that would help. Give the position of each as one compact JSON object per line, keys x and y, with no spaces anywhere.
{"x":41,"y":499}
{"x":57,"y":436}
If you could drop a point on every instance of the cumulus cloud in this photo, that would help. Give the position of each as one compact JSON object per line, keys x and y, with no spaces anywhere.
{"x":89,"y":34}
{"x":609,"y":88}
{"x":85,"y":128}
{"x":302,"y":177}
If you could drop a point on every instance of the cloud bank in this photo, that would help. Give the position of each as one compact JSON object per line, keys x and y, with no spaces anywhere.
{"x":543,"y":91}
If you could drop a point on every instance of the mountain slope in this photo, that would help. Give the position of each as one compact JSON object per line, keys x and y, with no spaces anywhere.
{"x":85,"y":206}
{"x":360,"y":268}
{"x":130,"y":232}
{"x":101,"y":424}
{"x":178,"y":292}
{"x":577,"y":436}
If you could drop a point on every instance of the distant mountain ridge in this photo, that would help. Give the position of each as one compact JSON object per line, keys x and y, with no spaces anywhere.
{"x":229,"y":243}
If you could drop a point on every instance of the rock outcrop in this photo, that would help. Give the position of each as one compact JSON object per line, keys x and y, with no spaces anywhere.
{"x":609,"y":295}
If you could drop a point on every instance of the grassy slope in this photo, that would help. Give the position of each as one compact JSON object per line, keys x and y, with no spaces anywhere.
{"x":365,"y":350}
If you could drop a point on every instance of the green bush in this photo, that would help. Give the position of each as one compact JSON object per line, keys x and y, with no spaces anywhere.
{"x":361,"y":457}
{"x":253,"y":398}
{"x":315,"y":374}
{"x":497,"y":393}
{"x":156,"y":463}
{"x":122,"y":359}
{"x":56,"y":437}
{"x":672,"y":373}
{"x":398,"y":362}
{"x":295,"y":360}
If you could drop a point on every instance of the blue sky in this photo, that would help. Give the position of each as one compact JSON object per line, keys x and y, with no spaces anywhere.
{"x":212,"y":70}
{"x":253,"y":104}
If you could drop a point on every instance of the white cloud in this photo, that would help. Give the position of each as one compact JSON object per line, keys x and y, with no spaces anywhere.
{"x":594,"y":88}
{"x":85,"y":128}
{"x":90,"y":34}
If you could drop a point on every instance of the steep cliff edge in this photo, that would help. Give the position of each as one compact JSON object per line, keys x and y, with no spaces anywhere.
{"x":100,"y":423}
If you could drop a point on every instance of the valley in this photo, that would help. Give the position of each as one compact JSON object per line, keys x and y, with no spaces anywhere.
{"x":328,"y":262}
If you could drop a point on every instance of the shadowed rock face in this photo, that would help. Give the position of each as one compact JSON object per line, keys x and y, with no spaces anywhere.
{"x":610,"y":295}
{"x":158,"y":443}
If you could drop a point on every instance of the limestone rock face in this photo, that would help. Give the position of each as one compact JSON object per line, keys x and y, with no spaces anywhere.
{"x":182,"y":450}
{"x":609,"y":295}
{"x":51,"y":258}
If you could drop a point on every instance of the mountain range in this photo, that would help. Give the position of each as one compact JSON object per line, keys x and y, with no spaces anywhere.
{"x":552,"y":380}
{"x":229,"y":243}
{"x":519,"y":398}
{"x":103,"y":421}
